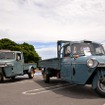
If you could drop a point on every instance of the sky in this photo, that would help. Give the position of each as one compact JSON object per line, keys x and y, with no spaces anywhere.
{"x":43,"y":22}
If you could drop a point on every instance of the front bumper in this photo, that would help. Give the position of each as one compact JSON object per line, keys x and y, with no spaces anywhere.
{"x":101,"y":65}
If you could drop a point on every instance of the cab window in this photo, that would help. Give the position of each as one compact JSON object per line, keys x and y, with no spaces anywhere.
{"x":74,"y":48}
{"x":18,"y":56}
{"x":67,"y":51}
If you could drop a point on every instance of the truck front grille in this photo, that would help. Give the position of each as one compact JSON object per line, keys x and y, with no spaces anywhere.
{"x":101,"y":65}
{"x":2,"y":65}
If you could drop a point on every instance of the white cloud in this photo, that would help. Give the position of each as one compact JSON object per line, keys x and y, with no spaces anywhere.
{"x":52,"y":20}
{"x":47,"y":52}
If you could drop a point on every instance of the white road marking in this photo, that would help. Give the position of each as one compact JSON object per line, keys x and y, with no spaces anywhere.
{"x":46,"y":89}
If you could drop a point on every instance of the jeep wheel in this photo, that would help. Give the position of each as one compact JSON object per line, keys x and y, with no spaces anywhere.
{"x":46,"y":77}
{"x":100,"y":89}
{"x":31,"y":74}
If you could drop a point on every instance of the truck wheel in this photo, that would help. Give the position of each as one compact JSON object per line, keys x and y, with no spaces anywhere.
{"x":46,"y":77}
{"x":13,"y":78}
{"x":31,"y":74}
{"x":1,"y":77}
{"x":100,"y":89}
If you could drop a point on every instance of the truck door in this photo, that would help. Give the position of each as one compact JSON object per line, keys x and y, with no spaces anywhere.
{"x":66,"y":64}
{"x":74,"y":52}
{"x":19,"y":63}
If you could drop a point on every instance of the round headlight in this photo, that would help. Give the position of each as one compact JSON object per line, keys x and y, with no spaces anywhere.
{"x":92,"y":63}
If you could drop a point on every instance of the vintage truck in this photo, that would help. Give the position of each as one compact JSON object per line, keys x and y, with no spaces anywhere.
{"x":77,"y":62}
{"x":12,"y":64}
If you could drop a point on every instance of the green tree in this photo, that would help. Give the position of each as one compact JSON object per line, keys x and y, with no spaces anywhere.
{"x":30,"y":55}
{"x":7,"y":44}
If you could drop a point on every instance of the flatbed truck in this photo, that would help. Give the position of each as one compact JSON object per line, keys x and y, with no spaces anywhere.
{"x":77,"y":62}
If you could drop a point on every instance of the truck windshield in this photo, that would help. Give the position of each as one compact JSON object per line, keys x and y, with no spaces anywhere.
{"x":7,"y":55}
{"x":87,"y":49}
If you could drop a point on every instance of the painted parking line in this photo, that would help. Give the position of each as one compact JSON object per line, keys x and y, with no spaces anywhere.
{"x":46,"y":89}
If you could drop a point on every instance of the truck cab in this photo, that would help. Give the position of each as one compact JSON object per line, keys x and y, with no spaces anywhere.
{"x":81,"y":57}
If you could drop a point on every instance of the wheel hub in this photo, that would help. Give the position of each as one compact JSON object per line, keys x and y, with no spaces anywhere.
{"x":103,"y":81}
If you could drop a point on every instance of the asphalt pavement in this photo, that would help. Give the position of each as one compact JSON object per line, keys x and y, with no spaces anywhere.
{"x":24,"y":91}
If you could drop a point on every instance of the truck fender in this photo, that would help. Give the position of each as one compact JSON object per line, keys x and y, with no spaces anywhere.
{"x":31,"y":68}
{"x":94,"y":82}
{"x":97,"y":77}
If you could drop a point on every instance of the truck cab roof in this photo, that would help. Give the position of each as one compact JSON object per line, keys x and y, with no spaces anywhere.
{"x":9,"y":51}
{"x":82,"y":41}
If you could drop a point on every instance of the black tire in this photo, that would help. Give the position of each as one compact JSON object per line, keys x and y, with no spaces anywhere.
{"x":13,"y":78}
{"x":31,"y":74}
{"x":46,"y":77}
{"x":100,"y":89}
{"x":1,"y":77}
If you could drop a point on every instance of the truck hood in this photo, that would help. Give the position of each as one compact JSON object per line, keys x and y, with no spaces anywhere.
{"x":4,"y":63}
{"x":83,"y":59}
{"x":100,"y":59}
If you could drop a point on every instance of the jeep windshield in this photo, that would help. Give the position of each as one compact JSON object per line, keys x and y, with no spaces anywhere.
{"x":87,"y":49}
{"x":7,"y":55}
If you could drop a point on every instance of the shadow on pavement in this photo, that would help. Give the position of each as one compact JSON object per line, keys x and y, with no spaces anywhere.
{"x":74,"y":91}
{"x":17,"y":79}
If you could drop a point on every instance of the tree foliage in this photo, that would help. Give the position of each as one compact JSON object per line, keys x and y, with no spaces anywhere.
{"x":30,"y":55}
